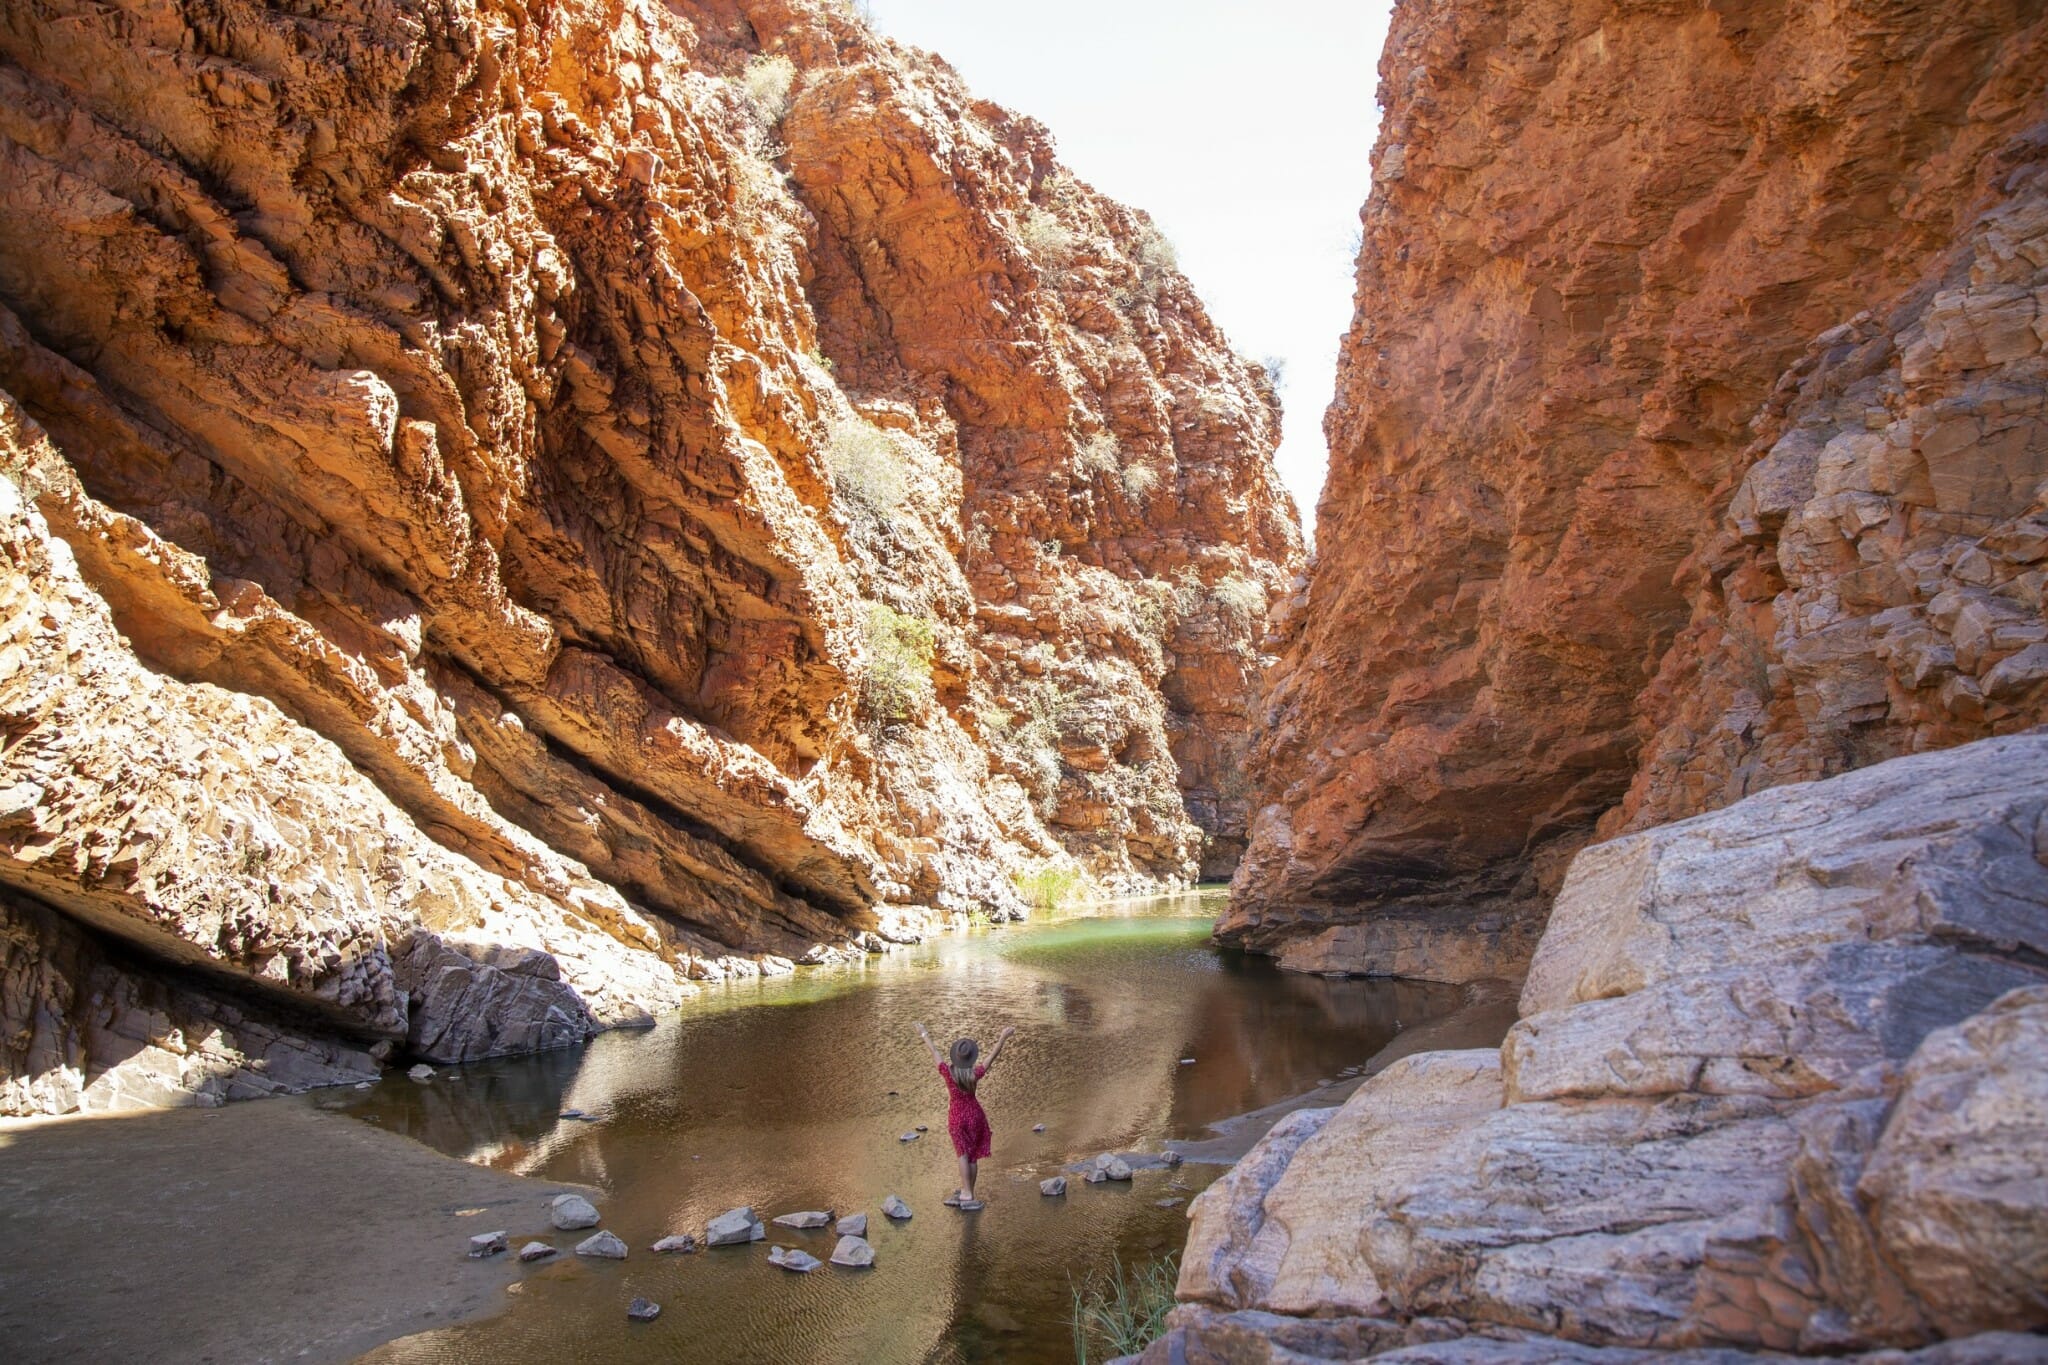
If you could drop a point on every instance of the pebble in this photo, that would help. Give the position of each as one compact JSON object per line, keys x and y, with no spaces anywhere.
{"x":853,"y":1251}
{"x":810,"y":1218}
{"x":923,"y":1128}
{"x":1174,"y":1159}
{"x":895,"y":1208}
{"x":789,"y":1258}
{"x":1187,"y":1061}
{"x":422,"y":1072}
{"x":643,"y":1310}
{"x":682,"y":1243}
{"x":536,"y":1251}
{"x":605,"y":1245}
{"x":571,"y":1114}
{"x":1037,"y":1127}
{"x":734,"y":1227}
{"x":572,"y":1211}
{"x":908,"y":1137}
{"x":1168,"y":1203}
{"x":363,"y":1085}
{"x":1056,"y":1185}
{"x":486,"y":1244}
{"x":853,"y":1225}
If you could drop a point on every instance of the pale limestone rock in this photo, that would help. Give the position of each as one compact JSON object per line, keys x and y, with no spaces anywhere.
{"x":604,"y":1246}
{"x":812,"y":1218}
{"x":569,"y":1212}
{"x":853,"y":1251}
{"x":734,"y":1227}
{"x":894,"y":1207}
{"x":853,"y":1225}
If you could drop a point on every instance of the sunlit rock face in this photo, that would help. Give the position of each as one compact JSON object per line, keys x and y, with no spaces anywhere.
{"x":1689,"y":439}
{"x":520,"y":509}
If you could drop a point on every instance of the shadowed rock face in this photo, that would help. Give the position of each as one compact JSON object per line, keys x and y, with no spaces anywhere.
{"x":693,"y":487}
{"x":1688,"y":440}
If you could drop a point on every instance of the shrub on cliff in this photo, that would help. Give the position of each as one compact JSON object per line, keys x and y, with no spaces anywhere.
{"x":1240,"y":599}
{"x":1099,"y":455}
{"x":1050,"y":242}
{"x":865,"y":466}
{"x":899,"y":677}
{"x":767,"y":82}
{"x":1051,"y":886}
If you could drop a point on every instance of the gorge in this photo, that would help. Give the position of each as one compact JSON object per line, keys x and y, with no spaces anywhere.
{"x":520,"y":516}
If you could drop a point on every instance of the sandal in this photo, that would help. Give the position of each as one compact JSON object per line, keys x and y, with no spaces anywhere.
{"x":969,"y":1205}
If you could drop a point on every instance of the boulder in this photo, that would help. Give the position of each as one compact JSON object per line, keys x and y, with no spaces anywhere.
{"x":853,"y":1251}
{"x":681,"y":1243}
{"x":604,"y":1246}
{"x":789,"y":1258}
{"x":1108,"y":1166}
{"x":853,"y":1225}
{"x":570,"y":1212}
{"x":536,"y":1251}
{"x":734,"y":1227}
{"x":895,"y":1208}
{"x":813,"y":1218}
{"x":643,"y":1310}
{"x":486,"y":1244}
{"x":1057,"y":1185}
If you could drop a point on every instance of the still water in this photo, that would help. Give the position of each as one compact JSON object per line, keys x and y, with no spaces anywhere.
{"x":792,"y":1094}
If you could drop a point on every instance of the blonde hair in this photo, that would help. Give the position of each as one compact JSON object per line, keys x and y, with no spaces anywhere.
{"x":965,"y":1050}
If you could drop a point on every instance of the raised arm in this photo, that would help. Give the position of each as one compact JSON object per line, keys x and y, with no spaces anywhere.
{"x":938,"y":1058}
{"x":997,"y":1051}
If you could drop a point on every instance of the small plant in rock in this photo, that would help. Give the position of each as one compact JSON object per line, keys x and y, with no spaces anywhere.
{"x":865,"y":466}
{"x":1121,"y":1313}
{"x":1239,"y":598}
{"x":1275,"y":367}
{"x":1050,"y":242}
{"x":1157,"y":260}
{"x":1098,"y":454}
{"x":899,"y":677}
{"x":767,"y":81}
{"x":1139,"y":481}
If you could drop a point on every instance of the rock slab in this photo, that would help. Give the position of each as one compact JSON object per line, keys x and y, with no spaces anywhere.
{"x":734,"y":1227}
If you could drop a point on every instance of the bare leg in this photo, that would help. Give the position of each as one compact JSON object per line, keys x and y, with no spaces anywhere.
{"x":966,"y":1178}
{"x":973,"y":1169}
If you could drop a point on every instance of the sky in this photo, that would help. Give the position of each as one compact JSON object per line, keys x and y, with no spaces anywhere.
{"x":1244,"y":127}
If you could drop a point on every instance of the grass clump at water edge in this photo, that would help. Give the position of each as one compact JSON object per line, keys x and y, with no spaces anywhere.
{"x":1121,"y":1313}
{"x":1050,"y":887}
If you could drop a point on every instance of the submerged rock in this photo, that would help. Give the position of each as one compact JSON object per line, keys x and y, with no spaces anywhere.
{"x":1108,"y":1166}
{"x":853,"y":1225}
{"x":734,"y":1227}
{"x":681,"y":1243}
{"x":1055,"y":1186}
{"x":487,"y":1244}
{"x":893,"y":1207}
{"x":421,"y":1072}
{"x":572,"y":1211}
{"x":536,"y":1251}
{"x":605,"y":1246}
{"x":643,"y":1310}
{"x":853,"y":1251}
{"x":789,"y":1258}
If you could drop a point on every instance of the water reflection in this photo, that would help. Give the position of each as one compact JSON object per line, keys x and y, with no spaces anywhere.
{"x":797,"y":1101}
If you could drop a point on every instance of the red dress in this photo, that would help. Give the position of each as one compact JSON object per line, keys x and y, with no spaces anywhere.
{"x":964,"y":1119}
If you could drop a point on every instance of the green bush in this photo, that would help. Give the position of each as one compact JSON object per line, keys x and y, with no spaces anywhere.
{"x":1123,"y":1313}
{"x":1240,"y":599}
{"x":865,"y":465}
{"x":899,"y":676}
{"x":1049,"y":241}
{"x":1051,"y":886}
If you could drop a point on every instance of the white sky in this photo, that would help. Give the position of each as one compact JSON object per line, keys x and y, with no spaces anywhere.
{"x":1244,"y":127}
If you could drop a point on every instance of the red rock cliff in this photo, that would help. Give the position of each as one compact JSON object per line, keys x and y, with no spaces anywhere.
{"x":1689,"y":439}
{"x":517,"y":508}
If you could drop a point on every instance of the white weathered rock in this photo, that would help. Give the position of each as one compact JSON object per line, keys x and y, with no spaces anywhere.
{"x":734,"y":1227}
{"x":572,"y":1211}
{"x":853,"y":1225}
{"x":810,"y":1218}
{"x":421,"y":1072}
{"x":681,"y":1243}
{"x":604,"y":1246}
{"x":1056,"y":1185}
{"x":643,"y":1310}
{"x":893,"y":1207}
{"x":789,"y":1258}
{"x":536,"y":1251}
{"x":487,"y":1244}
{"x":853,"y":1251}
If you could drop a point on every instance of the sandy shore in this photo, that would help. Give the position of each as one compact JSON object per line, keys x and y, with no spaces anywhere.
{"x":264,"y":1231}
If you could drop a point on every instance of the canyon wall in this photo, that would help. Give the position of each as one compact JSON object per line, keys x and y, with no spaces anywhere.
{"x":514,"y":510}
{"x":1689,"y":439}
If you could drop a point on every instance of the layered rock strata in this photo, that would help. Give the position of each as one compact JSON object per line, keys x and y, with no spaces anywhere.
{"x":1774,"y":1086}
{"x":514,"y":511}
{"x":1688,"y":440}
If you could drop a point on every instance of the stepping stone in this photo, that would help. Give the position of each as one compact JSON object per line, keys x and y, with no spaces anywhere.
{"x":789,"y":1258}
{"x":1055,"y":1186}
{"x":853,"y":1225}
{"x":734,"y":1227}
{"x":908,"y":1137}
{"x":682,"y":1243}
{"x":486,"y":1244}
{"x":643,"y":1310}
{"x":536,"y":1251}
{"x":605,"y":1246}
{"x":422,"y":1073}
{"x":1037,"y":1127}
{"x":813,"y":1218}
{"x":853,"y":1251}
{"x":572,"y":1211}
{"x":1109,"y":1167}
{"x":924,"y":1128}
{"x":893,"y":1207}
